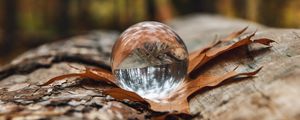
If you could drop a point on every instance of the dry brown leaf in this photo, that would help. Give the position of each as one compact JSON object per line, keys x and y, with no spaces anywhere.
{"x":194,"y":85}
{"x":93,"y":73}
{"x":234,"y":34}
{"x":121,"y":94}
{"x":199,"y":58}
{"x":229,"y":37}
{"x":178,"y":99}
{"x":57,"y":78}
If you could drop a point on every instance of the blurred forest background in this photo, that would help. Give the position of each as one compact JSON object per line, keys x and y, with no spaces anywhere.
{"x":26,"y":24}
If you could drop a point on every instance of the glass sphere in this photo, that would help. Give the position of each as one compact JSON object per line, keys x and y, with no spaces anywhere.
{"x":150,"y":59}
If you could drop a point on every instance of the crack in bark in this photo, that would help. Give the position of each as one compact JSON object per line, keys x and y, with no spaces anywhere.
{"x":28,"y":66}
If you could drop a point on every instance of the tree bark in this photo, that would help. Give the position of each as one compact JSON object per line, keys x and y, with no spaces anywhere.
{"x":272,"y":94}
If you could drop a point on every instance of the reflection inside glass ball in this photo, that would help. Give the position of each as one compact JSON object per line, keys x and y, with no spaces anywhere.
{"x":150,"y":59}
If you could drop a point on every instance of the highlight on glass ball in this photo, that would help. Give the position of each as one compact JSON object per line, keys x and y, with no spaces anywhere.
{"x":149,"y":58}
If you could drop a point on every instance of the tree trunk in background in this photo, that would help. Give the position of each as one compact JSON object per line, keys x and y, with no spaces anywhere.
{"x":10,"y":27}
{"x":151,"y":10}
{"x":273,"y":94}
{"x":63,"y":19}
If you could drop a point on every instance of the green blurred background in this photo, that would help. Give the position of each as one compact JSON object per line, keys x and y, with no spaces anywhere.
{"x":26,"y":24}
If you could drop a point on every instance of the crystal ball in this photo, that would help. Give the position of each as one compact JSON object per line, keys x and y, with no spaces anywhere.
{"x":150,"y":59}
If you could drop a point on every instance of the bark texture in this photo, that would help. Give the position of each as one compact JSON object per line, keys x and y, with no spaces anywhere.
{"x":273,"y":94}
